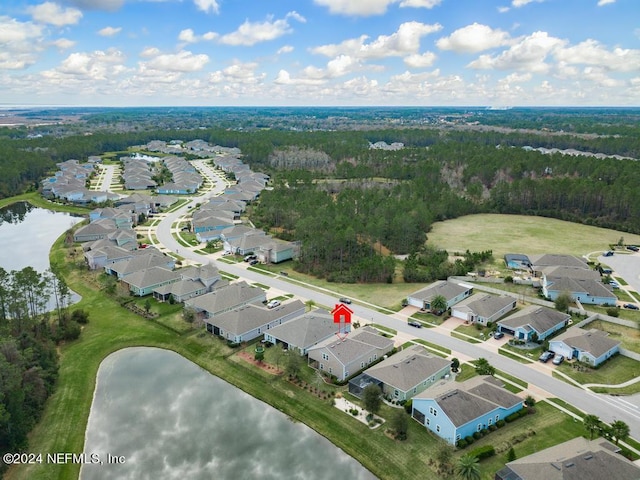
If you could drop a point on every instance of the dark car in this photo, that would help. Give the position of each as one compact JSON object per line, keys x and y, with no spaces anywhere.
{"x":415,"y":324}
{"x":546,"y":356}
{"x":608,"y":254}
{"x":345,"y":300}
{"x":633,"y":248}
{"x":498,"y":335}
{"x":253,"y":262}
{"x":631,"y":306}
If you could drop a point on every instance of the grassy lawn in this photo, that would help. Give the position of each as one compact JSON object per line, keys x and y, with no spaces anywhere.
{"x":112,"y":327}
{"x":532,"y":433}
{"x":616,"y":370}
{"x":477,"y":331}
{"x":623,"y":296}
{"x":514,"y":234}
{"x":509,"y":354}
{"x":35,"y":199}
{"x":566,"y":406}
{"x":533,"y":354}
{"x":464,"y":337}
{"x":466,"y":372}
{"x":629,"y":337}
{"x":436,"y":349}
{"x":428,"y":320}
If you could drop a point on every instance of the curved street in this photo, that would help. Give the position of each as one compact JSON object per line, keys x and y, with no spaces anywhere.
{"x":608,"y":408}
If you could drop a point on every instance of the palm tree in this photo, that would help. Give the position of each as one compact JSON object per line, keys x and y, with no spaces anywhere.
{"x":468,"y":467}
{"x":619,"y":430}
{"x":438,"y":304}
{"x":592,"y":424}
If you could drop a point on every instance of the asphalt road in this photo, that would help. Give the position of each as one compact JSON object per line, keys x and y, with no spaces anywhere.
{"x":608,"y":408}
{"x":626,"y":266}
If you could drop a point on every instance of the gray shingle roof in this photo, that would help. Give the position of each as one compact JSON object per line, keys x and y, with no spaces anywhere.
{"x":249,"y":317}
{"x":577,"y":459}
{"x":447,"y":289}
{"x":468,"y":400}
{"x":408,"y":368}
{"x":594,"y":341}
{"x":593,"y":288}
{"x":306,"y":330}
{"x":227,"y":297}
{"x":553,"y":259}
{"x":538,"y":318}
{"x":151,"y":276}
{"x":485,"y":304}
{"x":356,"y":345}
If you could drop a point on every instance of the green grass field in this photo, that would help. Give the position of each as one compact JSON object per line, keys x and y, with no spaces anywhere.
{"x":522,"y":234}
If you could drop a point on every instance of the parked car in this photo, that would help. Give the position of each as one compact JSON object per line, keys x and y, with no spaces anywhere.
{"x":607,"y":271}
{"x":253,"y":262}
{"x":248,"y":258}
{"x":273,"y":304}
{"x":345,"y":300}
{"x":498,"y":335}
{"x":631,"y":306}
{"x":546,"y":356}
{"x":608,"y":254}
{"x":415,"y":324}
{"x":558,"y":359}
{"x":614,"y":284}
{"x":633,"y":248}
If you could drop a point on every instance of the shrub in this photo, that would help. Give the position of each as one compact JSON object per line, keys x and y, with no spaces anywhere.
{"x":408,"y":406}
{"x":469,"y":440}
{"x":500,"y":423}
{"x":613,"y":312}
{"x":462,"y":443}
{"x":477,"y":435}
{"x":512,"y":417}
{"x":492,"y":428}
{"x":483,"y":452}
{"x":354,"y":412}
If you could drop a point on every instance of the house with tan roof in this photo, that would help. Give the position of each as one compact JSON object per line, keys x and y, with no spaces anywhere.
{"x":483,"y":308}
{"x":534,"y":319}
{"x":305,"y":331}
{"x":454,"y":411}
{"x":590,"y":346}
{"x":346,"y":356}
{"x":404,"y":374}
{"x":452,"y":292}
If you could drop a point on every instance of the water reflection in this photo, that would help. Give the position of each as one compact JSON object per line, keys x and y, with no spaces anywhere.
{"x":172,"y":420}
{"x":15,"y":213}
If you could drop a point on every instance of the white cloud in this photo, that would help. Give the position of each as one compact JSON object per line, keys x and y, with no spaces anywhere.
{"x":284,"y":78}
{"x":285,"y":49}
{"x":63,"y":43}
{"x":599,"y":76}
{"x":522,"y":3}
{"x":183,"y":61}
{"x":420,"y":61}
{"x":238,"y":73}
{"x":188,"y":36}
{"x":405,"y":41}
{"x":474,"y":38}
{"x":19,"y":43}
{"x":97,"y":65}
{"x":150,"y":52}
{"x":206,"y":5}
{"x":365,"y":8}
{"x":605,"y":2}
{"x":109,"y":31}
{"x":592,"y":52}
{"x":250,"y":33}
{"x":52,"y":14}
{"x":13,"y":31}
{"x":338,"y":67}
{"x":529,"y":54}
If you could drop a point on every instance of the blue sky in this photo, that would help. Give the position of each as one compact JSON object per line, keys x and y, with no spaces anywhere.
{"x":320,"y":52}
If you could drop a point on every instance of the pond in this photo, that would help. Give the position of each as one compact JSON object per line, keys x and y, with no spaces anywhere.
{"x":167,"y":418}
{"x":27,"y":234}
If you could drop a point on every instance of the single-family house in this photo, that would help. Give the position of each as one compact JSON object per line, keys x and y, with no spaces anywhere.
{"x":575,"y":459}
{"x":583,"y":290}
{"x":452,"y":292}
{"x":225,"y":299}
{"x":276,"y":251}
{"x":346,"y":356}
{"x":517,"y":261}
{"x":143,"y":282}
{"x":306,"y":331}
{"x":250,"y":321}
{"x":590,"y":346}
{"x":483,"y":308}
{"x":99,"y":257}
{"x":534,"y":319}
{"x":454,"y":411}
{"x":404,"y":374}
{"x":194,"y":281}
{"x":538,"y":262}
{"x":248,"y":243}
{"x":142,"y":261}
{"x":95,"y":231}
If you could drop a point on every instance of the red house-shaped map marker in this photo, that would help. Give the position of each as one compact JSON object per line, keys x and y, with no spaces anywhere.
{"x":342,"y":316}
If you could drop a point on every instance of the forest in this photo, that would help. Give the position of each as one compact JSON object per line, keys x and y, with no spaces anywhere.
{"x":29,"y":334}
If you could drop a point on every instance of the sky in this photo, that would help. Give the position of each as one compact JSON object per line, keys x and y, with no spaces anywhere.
{"x":320,"y":52}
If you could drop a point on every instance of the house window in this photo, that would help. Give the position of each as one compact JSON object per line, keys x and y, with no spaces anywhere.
{"x":375,"y":356}
{"x":497,"y":417}
{"x":322,"y":366}
{"x":361,"y":364}
{"x":330,"y":370}
{"x":458,"y":437}
{"x":428,"y":422}
{"x":325,"y":356}
{"x":396,"y":393}
{"x":415,"y":390}
{"x":479,"y":427}
{"x":259,"y":330}
{"x":490,"y":421}
{"x":438,"y":428}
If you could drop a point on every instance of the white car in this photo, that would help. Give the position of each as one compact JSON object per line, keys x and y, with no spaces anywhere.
{"x":273,"y":304}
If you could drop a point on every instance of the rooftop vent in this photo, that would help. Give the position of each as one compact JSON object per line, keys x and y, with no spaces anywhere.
{"x":556,"y":466}
{"x":570,"y":464}
{"x":588,"y":457}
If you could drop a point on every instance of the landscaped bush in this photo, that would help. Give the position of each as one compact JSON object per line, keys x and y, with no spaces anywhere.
{"x":462,"y":443}
{"x":492,"y":428}
{"x":477,"y":435}
{"x":483,"y":452}
{"x":469,"y":440}
{"x":512,"y":417}
{"x":500,"y":423}
{"x":408,"y":406}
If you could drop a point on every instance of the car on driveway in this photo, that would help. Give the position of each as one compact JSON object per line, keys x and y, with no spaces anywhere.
{"x":253,"y":262}
{"x":273,"y":304}
{"x":633,"y":248}
{"x":631,"y":306}
{"x":608,"y":254}
{"x":415,"y":324}
{"x":546,"y":356}
{"x":345,"y":300}
{"x":614,"y":284}
{"x":498,"y":335}
{"x":558,"y":359}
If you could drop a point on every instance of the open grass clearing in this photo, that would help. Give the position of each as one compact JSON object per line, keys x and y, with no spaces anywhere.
{"x":616,"y":370}
{"x":623,"y":296}
{"x":522,"y":234}
{"x":629,"y":337}
{"x":477,"y":331}
{"x":466,"y":338}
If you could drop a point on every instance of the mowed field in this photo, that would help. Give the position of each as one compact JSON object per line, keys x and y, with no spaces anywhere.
{"x":522,"y":234}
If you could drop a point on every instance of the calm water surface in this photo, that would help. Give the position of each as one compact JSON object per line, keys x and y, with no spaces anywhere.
{"x":170,"y":419}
